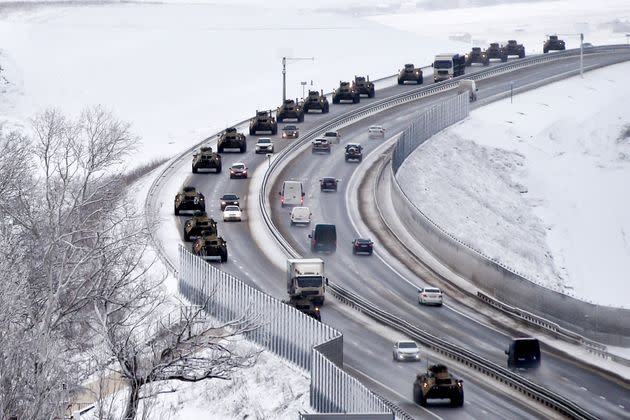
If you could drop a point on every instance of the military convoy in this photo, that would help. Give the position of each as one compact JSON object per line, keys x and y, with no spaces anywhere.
{"x":232,"y":139}
{"x":189,"y":199}
{"x":513,"y":48}
{"x":553,"y":44}
{"x":346,"y":92}
{"x":209,"y":245}
{"x":316,"y":101}
{"x":478,"y":56}
{"x":409,"y":73}
{"x":438,"y":383}
{"x":364,"y":86}
{"x":290,"y":109}
{"x":205,"y":158}
{"x":263,"y":121}
{"x":200,"y":222}
{"x":495,"y":51}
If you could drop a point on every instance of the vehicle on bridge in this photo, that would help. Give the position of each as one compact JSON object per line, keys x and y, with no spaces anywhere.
{"x":364,"y":86}
{"x":189,"y":199}
{"x":494,"y":51}
{"x":229,"y":199}
{"x":292,"y":193}
{"x":208,"y":245}
{"x":328,"y":183}
{"x":346,"y":92}
{"x":232,"y":214}
{"x":332,"y":136}
{"x":477,"y":56}
{"x":323,"y":238}
{"x":320,"y":145}
{"x":447,"y":66}
{"x":430,"y":296}
{"x":524,"y":353}
{"x":200,"y":222}
{"x":238,"y":170}
{"x":513,"y":48}
{"x":468,"y":86}
{"x":300,"y":216}
{"x":406,"y":350}
{"x":362,"y":246}
{"x":205,"y":158}
{"x":232,"y":139}
{"x":409,"y":73}
{"x":264,"y":145}
{"x":306,"y":279}
{"x":263,"y":121}
{"x":553,"y":43}
{"x":354,"y":152}
{"x":290,"y":132}
{"x":316,"y":101}
{"x":376,"y":131}
{"x":438,"y":383}
{"x":290,"y":109}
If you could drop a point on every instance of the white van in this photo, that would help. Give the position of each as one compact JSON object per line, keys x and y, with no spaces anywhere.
{"x":300,"y":215}
{"x":469,"y":86}
{"x":292,"y":194}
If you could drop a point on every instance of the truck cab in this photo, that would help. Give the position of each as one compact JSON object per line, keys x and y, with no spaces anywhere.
{"x":447,"y":66}
{"x":305,"y":279}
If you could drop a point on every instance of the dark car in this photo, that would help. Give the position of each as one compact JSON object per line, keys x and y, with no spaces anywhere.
{"x":229,"y":200}
{"x":238,"y":170}
{"x":362,"y":246}
{"x":324,"y":238}
{"x":290,"y":132}
{"x":328,"y":184}
{"x":523,"y":353}
{"x":354,"y":152}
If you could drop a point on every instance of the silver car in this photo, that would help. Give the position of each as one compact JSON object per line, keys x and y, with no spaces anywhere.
{"x":430,"y":296}
{"x":406,"y":350}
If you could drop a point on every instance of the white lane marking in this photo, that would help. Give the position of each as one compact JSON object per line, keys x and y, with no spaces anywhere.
{"x":621,"y":406}
{"x":583,"y":388}
{"x":565,"y":379}
{"x":602,"y":397}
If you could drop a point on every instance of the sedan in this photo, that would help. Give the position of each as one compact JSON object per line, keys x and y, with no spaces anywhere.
{"x":406,"y":350}
{"x":264,"y":145}
{"x":362,"y":246}
{"x":238,"y":170}
{"x":376,"y":131}
{"x":229,"y":200}
{"x":320,"y":145}
{"x":290,"y":132}
{"x":430,"y":296}
{"x":232,"y":214}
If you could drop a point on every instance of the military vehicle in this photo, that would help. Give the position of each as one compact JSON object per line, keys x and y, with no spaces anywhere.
{"x":189,"y":199}
{"x":209,"y":245}
{"x":306,"y":306}
{"x":316,"y":100}
{"x":513,"y":48}
{"x":438,"y":383}
{"x":263,"y":121}
{"x":354,"y":151}
{"x":477,"y":56}
{"x":364,"y":86}
{"x":200,"y":222}
{"x":205,"y":158}
{"x":232,"y":139}
{"x":290,"y":109}
{"x":495,"y":51}
{"x":553,"y":44}
{"x":409,"y":73}
{"x":346,"y":92}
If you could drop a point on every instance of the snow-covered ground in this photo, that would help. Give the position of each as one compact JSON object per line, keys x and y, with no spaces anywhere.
{"x":542,"y":184}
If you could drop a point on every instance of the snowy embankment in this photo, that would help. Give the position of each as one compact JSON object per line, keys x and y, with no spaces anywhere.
{"x":542,"y":184}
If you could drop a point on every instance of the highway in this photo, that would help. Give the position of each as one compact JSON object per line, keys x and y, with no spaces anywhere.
{"x":367,"y":350}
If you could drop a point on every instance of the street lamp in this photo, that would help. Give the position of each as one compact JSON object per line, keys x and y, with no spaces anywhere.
{"x":303,"y":84}
{"x":284,"y":72}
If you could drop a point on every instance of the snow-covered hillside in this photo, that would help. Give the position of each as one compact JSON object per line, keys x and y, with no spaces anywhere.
{"x":542,"y":184}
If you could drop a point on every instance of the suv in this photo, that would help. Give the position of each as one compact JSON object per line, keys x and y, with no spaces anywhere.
{"x":513,"y":48}
{"x":320,"y":145}
{"x":477,"y":56}
{"x":323,"y":238}
{"x":290,"y":132}
{"x":346,"y":92}
{"x":523,"y":353}
{"x":205,"y":158}
{"x":210,"y":245}
{"x":406,"y":350}
{"x":553,"y":44}
{"x":316,"y":100}
{"x":264,"y":145}
{"x":263,"y":121}
{"x":290,"y":109}
{"x":232,"y":139}
{"x":362,"y":246}
{"x":364,"y":86}
{"x":437,"y":382}
{"x":354,"y":151}
{"x":229,"y":200}
{"x":409,"y":73}
{"x":328,"y":184}
{"x":189,"y":199}
{"x":332,"y":136}
{"x":199,"y":223}
{"x":238,"y":170}
{"x":495,"y":51}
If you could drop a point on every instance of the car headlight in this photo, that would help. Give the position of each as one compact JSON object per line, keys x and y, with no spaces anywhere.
{"x":223,"y":202}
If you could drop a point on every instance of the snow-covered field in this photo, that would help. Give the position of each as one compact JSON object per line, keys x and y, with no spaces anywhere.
{"x":544,"y":184}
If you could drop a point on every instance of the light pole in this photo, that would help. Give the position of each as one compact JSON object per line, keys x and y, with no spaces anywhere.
{"x":284,"y":72}
{"x":582,"y":55}
{"x":303,"y":84}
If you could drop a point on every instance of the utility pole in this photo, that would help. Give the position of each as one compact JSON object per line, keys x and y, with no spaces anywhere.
{"x":284,"y":72}
{"x":582,"y":55}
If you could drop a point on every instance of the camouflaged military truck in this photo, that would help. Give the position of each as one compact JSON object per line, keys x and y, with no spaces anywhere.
{"x":409,"y":73}
{"x":189,"y":199}
{"x":495,"y":51}
{"x":477,"y":56}
{"x":232,"y":139}
{"x":200,"y":222}
{"x":209,"y":245}
{"x":346,"y":92}
{"x":438,"y":383}
{"x":364,"y":86}
{"x":513,"y":48}
{"x":263,"y":121}
{"x":205,"y":158}
{"x":316,"y":100}
{"x":290,"y":109}
{"x":553,"y":44}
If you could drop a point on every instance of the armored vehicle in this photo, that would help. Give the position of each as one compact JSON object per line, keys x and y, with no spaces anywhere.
{"x":409,"y":73}
{"x":263,"y":121}
{"x":210,"y":245}
{"x":232,"y":139}
{"x":205,"y":158}
{"x":290,"y":109}
{"x":306,"y":306}
{"x":316,"y":100}
{"x":513,"y":48}
{"x":346,"y":92}
{"x":436,"y":383}
{"x":553,"y":44}
{"x":200,"y":222}
{"x":364,"y":86}
{"x":495,"y":51}
{"x":189,"y":199}
{"x":354,"y":151}
{"x":477,"y":56}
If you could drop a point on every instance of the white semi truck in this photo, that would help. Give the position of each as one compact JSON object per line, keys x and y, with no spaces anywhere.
{"x":306,"y":279}
{"x":447,"y":66}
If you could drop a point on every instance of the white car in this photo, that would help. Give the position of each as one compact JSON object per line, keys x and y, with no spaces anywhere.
{"x":376,"y":131}
{"x":332,"y":136}
{"x":406,"y":350}
{"x":301,"y":215}
{"x":430,"y":296}
{"x":264,"y":145}
{"x":232,"y":214}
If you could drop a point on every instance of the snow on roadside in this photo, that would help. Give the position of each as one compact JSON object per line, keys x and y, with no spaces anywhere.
{"x":542,"y":183}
